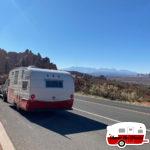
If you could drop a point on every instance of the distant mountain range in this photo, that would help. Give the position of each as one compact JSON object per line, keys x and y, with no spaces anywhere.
{"x":102,"y":71}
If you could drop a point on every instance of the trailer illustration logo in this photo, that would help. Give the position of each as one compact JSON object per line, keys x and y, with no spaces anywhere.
{"x":126,"y":133}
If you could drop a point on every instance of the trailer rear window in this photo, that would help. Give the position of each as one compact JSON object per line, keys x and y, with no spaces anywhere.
{"x":54,"y":84}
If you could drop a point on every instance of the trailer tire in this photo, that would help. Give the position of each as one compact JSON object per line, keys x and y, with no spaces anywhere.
{"x":121,"y":144}
{"x":18,"y":108}
{"x":4,"y":98}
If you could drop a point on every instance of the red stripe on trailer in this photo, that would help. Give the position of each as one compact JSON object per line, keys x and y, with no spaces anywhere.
{"x":128,"y":139}
{"x":31,"y":105}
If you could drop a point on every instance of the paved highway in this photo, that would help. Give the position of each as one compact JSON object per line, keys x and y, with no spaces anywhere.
{"x":83,"y":128}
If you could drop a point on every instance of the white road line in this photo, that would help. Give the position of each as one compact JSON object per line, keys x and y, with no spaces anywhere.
{"x":96,"y":115}
{"x":107,"y":118}
{"x":114,"y":107}
{"x":5,"y":140}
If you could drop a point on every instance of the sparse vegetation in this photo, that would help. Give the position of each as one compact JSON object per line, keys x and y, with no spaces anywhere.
{"x":112,"y":89}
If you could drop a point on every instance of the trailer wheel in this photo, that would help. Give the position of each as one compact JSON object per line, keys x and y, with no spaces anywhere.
{"x":18,"y":108}
{"x":4,"y":98}
{"x":121,"y":144}
{"x":1,"y":96}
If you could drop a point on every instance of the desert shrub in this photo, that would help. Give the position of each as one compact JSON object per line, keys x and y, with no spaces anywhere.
{"x":111,"y":89}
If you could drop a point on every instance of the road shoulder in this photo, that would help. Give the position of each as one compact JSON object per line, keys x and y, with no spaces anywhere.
{"x":5,"y":141}
{"x":119,"y":104}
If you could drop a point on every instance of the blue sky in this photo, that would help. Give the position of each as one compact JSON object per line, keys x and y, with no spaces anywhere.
{"x":90,"y":33}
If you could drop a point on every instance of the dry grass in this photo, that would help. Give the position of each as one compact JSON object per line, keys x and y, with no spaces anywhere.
{"x":111,"y":89}
{"x":143,"y":103}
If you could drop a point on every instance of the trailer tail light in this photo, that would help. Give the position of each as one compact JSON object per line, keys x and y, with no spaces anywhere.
{"x":71,"y":96}
{"x":32,"y":97}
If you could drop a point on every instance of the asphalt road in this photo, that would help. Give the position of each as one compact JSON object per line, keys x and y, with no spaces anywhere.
{"x":83,"y":128}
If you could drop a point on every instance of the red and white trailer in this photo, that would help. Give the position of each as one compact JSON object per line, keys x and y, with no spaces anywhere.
{"x":33,"y":88}
{"x":126,"y":133}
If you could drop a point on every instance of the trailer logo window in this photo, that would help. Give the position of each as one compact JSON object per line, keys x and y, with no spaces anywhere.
{"x":54,"y":84}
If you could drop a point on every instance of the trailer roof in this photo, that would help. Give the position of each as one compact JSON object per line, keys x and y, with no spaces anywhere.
{"x":48,"y":70}
{"x":126,"y":124}
{"x":35,"y":69}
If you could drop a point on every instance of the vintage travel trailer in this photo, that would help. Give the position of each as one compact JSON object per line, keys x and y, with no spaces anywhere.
{"x":32,"y":88}
{"x":126,"y":133}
